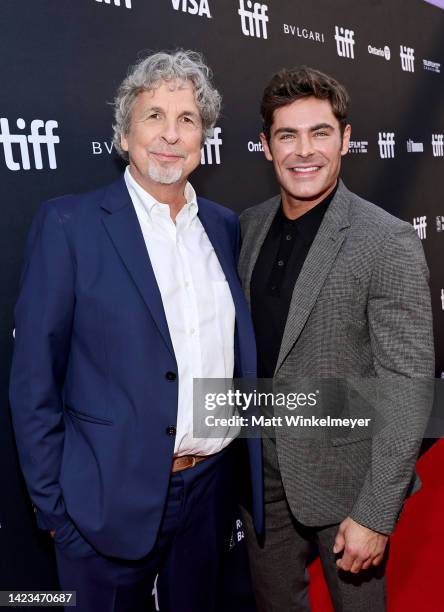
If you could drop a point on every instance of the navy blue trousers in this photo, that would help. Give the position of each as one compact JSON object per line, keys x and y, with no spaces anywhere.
{"x":187,"y":553}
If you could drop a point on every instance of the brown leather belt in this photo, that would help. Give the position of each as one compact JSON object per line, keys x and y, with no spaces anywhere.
{"x":185,"y":462}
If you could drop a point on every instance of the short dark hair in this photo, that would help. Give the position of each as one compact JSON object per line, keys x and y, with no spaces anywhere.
{"x":290,"y":84}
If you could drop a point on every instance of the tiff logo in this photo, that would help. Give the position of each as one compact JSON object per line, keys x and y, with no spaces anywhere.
{"x":253,"y":21}
{"x":37,"y":139}
{"x":420,"y":225}
{"x":212,"y":144}
{"x":438,"y":145}
{"x":386,"y":142}
{"x":442,"y":306}
{"x":407,"y":55}
{"x":193,"y":7}
{"x":345,"y":42}
{"x":116,"y":2}
{"x":440,"y":223}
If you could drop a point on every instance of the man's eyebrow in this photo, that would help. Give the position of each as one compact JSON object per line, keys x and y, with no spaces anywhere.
{"x":190,"y":113}
{"x":158,"y":109}
{"x":150,"y":109}
{"x":313,"y":128}
{"x":322,"y":126}
{"x":287,"y":130}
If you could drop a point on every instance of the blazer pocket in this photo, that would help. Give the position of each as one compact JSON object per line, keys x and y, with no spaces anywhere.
{"x":89,"y":418}
{"x":351,"y":439}
{"x":336,"y":292}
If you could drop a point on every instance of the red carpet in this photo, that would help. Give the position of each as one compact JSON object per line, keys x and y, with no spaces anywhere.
{"x":415,"y":569}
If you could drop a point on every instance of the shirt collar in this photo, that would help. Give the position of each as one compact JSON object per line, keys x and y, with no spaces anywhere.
{"x":150,"y":204}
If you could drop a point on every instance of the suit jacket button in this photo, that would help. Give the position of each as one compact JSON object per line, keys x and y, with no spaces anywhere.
{"x":171,"y":376}
{"x":170,"y":431}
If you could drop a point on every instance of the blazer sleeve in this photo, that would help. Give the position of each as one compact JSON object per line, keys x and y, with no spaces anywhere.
{"x":43,"y":323}
{"x":401,"y":334}
{"x":237,"y":239}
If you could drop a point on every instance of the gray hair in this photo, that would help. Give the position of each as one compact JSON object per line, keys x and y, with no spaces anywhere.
{"x":148,"y":74}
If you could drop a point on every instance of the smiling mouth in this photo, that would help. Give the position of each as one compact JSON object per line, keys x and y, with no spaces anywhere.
{"x":305,"y":170}
{"x":166,"y":156}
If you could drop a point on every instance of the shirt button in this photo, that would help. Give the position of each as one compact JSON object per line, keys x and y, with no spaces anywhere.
{"x":280,"y":263}
{"x":170,"y":431}
{"x":171,"y":376}
{"x":187,"y":284}
{"x":288,"y":237}
{"x":192,"y":331}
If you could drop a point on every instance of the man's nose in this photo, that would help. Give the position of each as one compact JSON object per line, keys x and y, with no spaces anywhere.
{"x":304,"y":145}
{"x":170,"y":132}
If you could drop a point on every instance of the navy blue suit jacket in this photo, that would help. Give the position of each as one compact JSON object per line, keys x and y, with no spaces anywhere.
{"x":90,"y":399}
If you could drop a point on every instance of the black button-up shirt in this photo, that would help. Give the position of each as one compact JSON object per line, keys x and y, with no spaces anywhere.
{"x":274,"y":276}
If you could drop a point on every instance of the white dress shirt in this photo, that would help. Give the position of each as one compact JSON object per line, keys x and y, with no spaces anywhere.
{"x":197,"y":302}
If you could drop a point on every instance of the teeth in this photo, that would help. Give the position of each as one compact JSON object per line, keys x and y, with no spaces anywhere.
{"x":311,"y":169}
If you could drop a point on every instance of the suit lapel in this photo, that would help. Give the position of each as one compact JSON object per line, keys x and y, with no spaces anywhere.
{"x":253,"y":242}
{"x":212,"y":228}
{"x":124,"y":230}
{"x":315,"y":270}
{"x":213,"y":232}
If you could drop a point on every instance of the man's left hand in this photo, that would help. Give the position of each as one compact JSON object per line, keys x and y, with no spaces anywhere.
{"x":361,"y":546}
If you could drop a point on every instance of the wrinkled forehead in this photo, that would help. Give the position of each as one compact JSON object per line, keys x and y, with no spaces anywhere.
{"x":175,"y":95}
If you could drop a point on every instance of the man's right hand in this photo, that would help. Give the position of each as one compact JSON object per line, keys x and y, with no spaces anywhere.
{"x":52,"y":534}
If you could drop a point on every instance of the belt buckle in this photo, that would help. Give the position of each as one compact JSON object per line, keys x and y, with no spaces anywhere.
{"x":193,"y":462}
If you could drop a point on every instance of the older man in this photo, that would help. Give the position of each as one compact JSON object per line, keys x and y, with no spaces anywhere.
{"x":128,"y":293}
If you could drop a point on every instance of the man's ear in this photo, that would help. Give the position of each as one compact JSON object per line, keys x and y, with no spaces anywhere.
{"x":346,"y":139}
{"x":266,"y":146}
{"x":124,"y":142}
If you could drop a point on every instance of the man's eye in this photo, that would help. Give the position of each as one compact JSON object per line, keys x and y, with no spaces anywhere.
{"x":322,"y":133}
{"x":153,"y":116}
{"x":287,"y":136}
{"x":186,"y":119}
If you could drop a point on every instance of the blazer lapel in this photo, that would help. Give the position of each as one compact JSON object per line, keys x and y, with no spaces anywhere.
{"x":245,"y":353}
{"x":253,"y":242}
{"x":315,"y":270}
{"x":225,"y":257}
{"x":124,"y":230}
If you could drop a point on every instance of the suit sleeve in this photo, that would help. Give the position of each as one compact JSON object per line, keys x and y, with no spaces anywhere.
{"x":43,"y":322}
{"x":401,"y":334}
{"x":237,"y":240}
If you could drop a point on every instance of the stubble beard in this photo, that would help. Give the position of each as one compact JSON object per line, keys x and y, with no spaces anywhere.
{"x":164,"y":176}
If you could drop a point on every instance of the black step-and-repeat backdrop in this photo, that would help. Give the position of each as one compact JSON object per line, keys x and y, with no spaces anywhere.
{"x":61,"y":63}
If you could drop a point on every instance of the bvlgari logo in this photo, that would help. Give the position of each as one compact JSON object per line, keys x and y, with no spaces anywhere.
{"x":302,"y":32}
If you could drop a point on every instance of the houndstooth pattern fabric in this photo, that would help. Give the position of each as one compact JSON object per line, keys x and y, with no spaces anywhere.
{"x":360,"y":311}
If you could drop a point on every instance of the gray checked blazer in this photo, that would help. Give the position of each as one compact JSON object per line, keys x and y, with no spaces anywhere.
{"x":361,"y":309}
